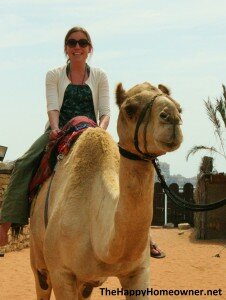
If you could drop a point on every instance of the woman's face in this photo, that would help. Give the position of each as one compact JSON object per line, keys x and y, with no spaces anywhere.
{"x":77,"y":53}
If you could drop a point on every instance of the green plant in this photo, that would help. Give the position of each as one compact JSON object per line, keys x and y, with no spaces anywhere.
{"x":216,"y":113}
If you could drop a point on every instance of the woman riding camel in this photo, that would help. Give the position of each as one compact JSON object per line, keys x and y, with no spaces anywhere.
{"x":75,"y":89}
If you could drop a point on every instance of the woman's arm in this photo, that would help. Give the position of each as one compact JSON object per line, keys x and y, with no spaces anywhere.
{"x":104,"y":122}
{"x":52,"y":96}
{"x":104,"y":101}
{"x":54,"y":123}
{"x":52,"y":102}
{"x":54,"y":119}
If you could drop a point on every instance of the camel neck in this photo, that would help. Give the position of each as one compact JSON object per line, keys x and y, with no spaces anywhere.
{"x":136,"y":181}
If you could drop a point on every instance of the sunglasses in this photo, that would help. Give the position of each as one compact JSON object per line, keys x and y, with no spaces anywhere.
{"x":82,"y":43}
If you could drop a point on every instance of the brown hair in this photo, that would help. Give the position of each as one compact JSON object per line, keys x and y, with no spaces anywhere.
{"x":76,"y":29}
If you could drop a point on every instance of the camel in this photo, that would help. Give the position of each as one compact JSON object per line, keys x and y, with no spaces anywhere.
{"x":100,"y":203}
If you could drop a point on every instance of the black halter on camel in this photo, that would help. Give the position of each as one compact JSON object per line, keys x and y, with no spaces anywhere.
{"x":153,"y":158}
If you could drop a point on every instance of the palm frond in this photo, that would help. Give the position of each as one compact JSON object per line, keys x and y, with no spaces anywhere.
{"x":221,"y":109}
{"x":212,"y":114}
{"x":195,"y":149}
{"x":216,"y":113}
{"x":224,"y":93}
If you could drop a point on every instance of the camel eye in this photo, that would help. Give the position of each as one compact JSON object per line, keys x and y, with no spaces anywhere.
{"x":131,"y":110}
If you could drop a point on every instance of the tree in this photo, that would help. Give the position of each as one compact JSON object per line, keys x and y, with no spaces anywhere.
{"x":217,"y":114}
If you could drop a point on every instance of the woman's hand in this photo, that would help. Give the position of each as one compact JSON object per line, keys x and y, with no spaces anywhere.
{"x":54,"y":134}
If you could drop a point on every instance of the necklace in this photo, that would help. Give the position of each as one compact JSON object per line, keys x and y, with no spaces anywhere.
{"x":83,"y":79}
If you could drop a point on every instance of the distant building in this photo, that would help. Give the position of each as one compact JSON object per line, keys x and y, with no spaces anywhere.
{"x":165,"y":168}
{"x":179,"y":179}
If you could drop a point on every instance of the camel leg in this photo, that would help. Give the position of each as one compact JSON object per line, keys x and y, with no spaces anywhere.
{"x":85,"y":291}
{"x":42,"y":280}
{"x":136,"y":283}
{"x":64,"y":285}
{"x":80,"y":297}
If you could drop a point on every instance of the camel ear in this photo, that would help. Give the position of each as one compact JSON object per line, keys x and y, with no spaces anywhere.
{"x":120,"y":94}
{"x":164,"y":89}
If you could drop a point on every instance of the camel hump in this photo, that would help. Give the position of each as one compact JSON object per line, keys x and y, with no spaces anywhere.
{"x":98,"y":143}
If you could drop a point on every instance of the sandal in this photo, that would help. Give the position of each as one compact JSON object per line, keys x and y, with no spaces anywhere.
{"x":156,"y":252}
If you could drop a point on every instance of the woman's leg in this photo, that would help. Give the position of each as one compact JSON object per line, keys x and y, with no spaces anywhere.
{"x":15,"y":207}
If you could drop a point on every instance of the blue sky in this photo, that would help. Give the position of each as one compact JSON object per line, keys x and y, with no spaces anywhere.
{"x":178,"y":43}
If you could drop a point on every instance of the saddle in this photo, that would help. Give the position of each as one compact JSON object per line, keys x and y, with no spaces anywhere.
{"x":56,"y":148}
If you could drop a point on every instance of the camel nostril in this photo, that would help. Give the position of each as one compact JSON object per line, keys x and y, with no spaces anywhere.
{"x":163,"y":115}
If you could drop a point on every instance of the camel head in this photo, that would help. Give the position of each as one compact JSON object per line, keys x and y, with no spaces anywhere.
{"x":159,"y":131}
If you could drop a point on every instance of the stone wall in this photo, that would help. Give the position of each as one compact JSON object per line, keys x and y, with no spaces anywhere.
{"x":23,"y":239}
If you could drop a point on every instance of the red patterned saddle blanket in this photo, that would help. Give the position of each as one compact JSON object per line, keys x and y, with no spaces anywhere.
{"x":60,"y":146}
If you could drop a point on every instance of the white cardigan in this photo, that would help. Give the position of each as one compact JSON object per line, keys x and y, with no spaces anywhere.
{"x":57,"y":82}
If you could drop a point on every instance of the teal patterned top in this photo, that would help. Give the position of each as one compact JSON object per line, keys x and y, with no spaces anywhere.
{"x":78,"y":101}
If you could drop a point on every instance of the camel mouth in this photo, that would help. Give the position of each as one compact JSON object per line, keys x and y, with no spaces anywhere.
{"x":169,"y":146}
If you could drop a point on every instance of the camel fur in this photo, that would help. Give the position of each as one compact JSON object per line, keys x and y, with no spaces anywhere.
{"x":100,"y":205}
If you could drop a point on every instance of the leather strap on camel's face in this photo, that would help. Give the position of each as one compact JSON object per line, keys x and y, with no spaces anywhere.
{"x":145,"y":156}
{"x":147,"y":108}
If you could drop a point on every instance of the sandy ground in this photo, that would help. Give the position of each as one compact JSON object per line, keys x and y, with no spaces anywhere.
{"x":189,"y":264}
